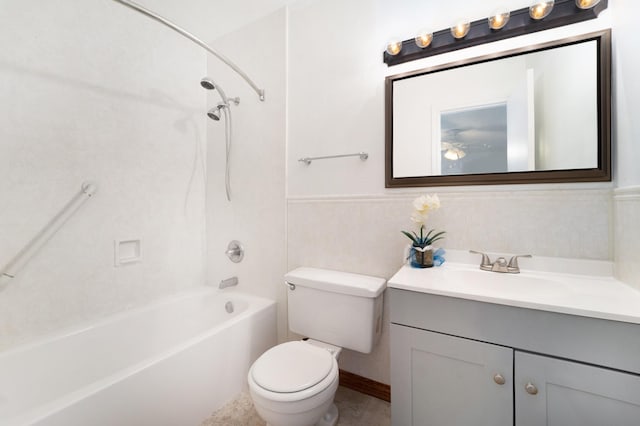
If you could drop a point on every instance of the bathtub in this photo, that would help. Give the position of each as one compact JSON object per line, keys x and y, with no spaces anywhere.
{"x":170,"y":363}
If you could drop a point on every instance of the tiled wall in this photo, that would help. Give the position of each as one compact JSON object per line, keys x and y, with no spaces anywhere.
{"x":362,"y":235}
{"x":627,"y":235}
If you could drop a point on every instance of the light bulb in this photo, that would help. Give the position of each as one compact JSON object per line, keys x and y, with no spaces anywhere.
{"x":424,"y":39}
{"x":460,"y":29}
{"x":499,"y":19}
{"x":454,"y":154}
{"x":586,"y":4}
{"x":394,"y":47}
{"x":541,"y":9}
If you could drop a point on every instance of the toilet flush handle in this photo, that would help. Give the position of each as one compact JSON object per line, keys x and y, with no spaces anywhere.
{"x":291,"y":286}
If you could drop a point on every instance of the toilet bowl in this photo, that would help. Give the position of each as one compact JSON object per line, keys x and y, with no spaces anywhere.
{"x":294,"y":383}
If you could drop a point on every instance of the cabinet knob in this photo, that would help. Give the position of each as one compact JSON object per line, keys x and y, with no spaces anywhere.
{"x":499,"y":379}
{"x":531,"y":388}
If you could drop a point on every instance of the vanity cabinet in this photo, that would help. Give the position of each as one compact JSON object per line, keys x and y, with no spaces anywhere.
{"x":554,"y":392}
{"x":457,"y":362}
{"x":442,"y":380}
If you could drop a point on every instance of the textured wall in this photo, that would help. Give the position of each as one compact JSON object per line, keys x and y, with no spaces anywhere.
{"x":340,"y":216}
{"x":627,"y":235}
{"x":626,"y":136}
{"x":91,"y":90}
{"x":362,"y":235}
{"x":256,"y":214}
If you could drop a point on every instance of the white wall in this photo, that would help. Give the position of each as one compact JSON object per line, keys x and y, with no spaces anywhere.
{"x":256,"y":214}
{"x":339,"y":213}
{"x":210,"y":20}
{"x":626,"y":90}
{"x":336,"y":78}
{"x":626,"y":135}
{"x":91,"y":90}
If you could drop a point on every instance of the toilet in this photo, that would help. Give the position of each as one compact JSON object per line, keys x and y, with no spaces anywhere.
{"x":294,"y":383}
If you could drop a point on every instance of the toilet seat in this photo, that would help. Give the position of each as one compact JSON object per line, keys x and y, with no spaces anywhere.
{"x":291,"y":367}
{"x":293,"y":371}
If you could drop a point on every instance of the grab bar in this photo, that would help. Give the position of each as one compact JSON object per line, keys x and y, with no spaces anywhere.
{"x":307,"y":160}
{"x":31,"y":248}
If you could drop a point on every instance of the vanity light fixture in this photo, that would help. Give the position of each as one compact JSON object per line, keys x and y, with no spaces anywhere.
{"x":499,"y":19}
{"x":394,"y":47}
{"x":541,"y":9}
{"x":424,"y":38}
{"x":586,"y":4}
{"x":460,"y":29}
{"x":542,"y":15}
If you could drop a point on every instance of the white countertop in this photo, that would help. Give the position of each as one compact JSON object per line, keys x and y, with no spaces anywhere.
{"x":596,"y":296}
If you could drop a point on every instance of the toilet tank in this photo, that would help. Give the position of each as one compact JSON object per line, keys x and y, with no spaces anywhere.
{"x":340,"y":308}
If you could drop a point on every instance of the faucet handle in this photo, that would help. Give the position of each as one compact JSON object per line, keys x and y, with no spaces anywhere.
{"x":486,"y":262}
{"x":513,"y":263}
{"x":235,"y":251}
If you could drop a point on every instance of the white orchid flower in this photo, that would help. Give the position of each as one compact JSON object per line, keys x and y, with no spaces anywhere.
{"x":418,"y":218}
{"x":422,"y":239}
{"x":425,"y":203}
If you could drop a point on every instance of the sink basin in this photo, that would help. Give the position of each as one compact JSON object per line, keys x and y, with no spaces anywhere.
{"x":586,"y":295}
{"x":503,"y":284}
{"x":495,"y":286}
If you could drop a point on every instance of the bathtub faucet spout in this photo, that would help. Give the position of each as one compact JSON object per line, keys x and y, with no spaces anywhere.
{"x":229,"y":282}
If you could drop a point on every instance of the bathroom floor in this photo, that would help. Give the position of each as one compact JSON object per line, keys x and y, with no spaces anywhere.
{"x":355,"y":409}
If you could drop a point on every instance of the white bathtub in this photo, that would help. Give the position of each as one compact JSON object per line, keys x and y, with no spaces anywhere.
{"x":171,"y":363}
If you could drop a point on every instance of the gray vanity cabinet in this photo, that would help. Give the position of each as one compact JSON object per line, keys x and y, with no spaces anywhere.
{"x":554,"y":392}
{"x":439,"y":380}
{"x":457,"y":362}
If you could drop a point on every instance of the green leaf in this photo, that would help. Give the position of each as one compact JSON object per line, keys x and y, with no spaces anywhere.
{"x":411,"y":237}
{"x":430,"y":239}
{"x":433,"y":240}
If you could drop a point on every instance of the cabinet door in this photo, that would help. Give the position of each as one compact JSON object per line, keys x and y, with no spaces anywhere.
{"x":440,"y":380}
{"x":553,"y":392}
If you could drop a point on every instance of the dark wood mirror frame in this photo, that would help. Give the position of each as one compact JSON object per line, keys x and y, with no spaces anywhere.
{"x":600,"y":174}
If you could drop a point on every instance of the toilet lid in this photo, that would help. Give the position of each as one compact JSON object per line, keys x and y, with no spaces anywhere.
{"x":292,"y":367}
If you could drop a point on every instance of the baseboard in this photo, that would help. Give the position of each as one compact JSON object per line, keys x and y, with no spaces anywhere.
{"x":365,"y":386}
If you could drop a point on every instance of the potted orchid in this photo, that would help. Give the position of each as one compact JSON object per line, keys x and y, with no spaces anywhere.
{"x":421,"y":248}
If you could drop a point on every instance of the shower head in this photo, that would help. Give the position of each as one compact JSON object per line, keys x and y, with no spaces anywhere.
{"x":214,"y":114}
{"x":207,"y":83}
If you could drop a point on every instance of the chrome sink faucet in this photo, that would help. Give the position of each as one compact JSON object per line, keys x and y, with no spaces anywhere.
{"x":500,"y":265}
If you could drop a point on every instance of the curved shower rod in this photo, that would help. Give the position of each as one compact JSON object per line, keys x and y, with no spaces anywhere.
{"x":194,"y":39}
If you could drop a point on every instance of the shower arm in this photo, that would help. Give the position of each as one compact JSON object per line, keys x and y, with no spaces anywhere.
{"x":221,"y":92}
{"x":194,"y":39}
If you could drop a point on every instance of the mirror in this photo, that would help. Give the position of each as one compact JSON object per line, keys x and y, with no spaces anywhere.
{"x":538,"y":114}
